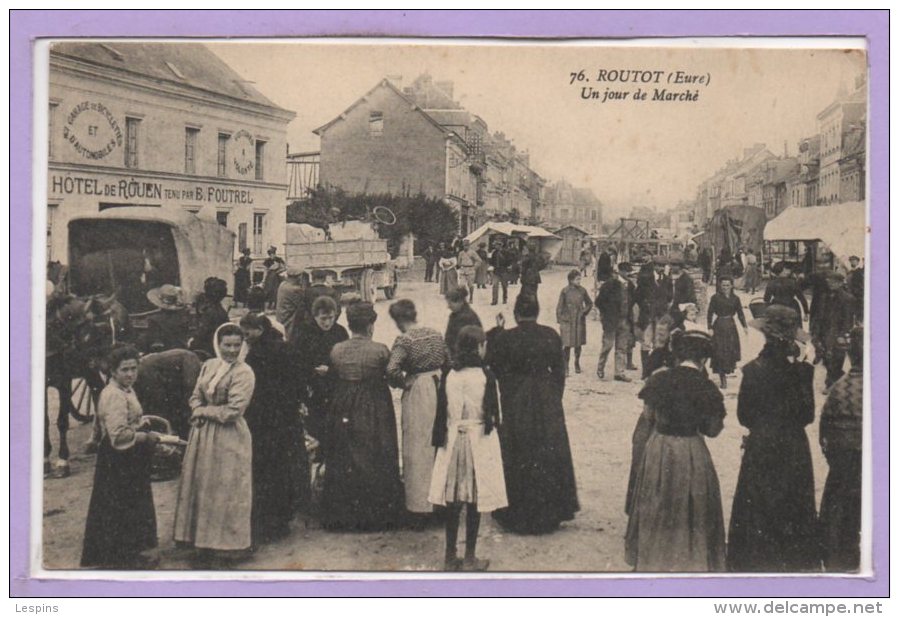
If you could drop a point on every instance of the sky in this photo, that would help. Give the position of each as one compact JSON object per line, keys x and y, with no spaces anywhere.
{"x":630,"y":153}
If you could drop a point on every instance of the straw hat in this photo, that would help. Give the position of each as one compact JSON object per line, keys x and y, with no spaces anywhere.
{"x":167,"y":297}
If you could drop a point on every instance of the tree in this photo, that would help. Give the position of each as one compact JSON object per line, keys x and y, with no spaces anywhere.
{"x":430,"y":220}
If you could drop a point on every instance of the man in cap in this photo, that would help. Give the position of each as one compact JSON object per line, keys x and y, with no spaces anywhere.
{"x":291,"y":308}
{"x":831,"y":331}
{"x":615,"y":302}
{"x":501,"y":262}
{"x":856,"y":285}
{"x":318,"y":288}
{"x":681,"y":288}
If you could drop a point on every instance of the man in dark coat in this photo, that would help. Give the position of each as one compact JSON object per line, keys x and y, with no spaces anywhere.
{"x":528,"y":363}
{"x":784,"y":290}
{"x":210,"y":315}
{"x":832,"y":328}
{"x":291,"y":308}
{"x":705,"y":262}
{"x":615,"y":302}
{"x":531,"y":264}
{"x":501,"y":261}
{"x":681,"y":289}
{"x":461,"y":315}
{"x":165,"y":383}
{"x":170,"y":327}
{"x":430,"y":262}
{"x":856,"y":284}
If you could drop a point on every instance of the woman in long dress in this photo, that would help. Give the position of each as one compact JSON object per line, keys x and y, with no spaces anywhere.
{"x":416,"y":360}
{"x":449,"y":278}
{"x":315,"y":340}
{"x":571,"y":314}
{"x":751,"y":275}
{"x":121,"y":518}
{"x":280,"y":465}
{"x":468,"y":469}
{"x":215,"y":495}
{"x":723,"y":306}
{"x":528,"y":363}
{"x":772,"y":524}
{"x":362,"y":488}
{"x":676,"y":522}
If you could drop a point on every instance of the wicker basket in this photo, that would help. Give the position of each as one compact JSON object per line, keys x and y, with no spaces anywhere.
{"x":757,"y":307}
{"x":167,"y":457}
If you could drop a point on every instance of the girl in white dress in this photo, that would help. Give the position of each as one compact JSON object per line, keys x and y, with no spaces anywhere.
{"x":468,"y":468}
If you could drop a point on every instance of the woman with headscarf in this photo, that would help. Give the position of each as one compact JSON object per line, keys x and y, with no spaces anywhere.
{"x":723,"y":306}
{"x":675,"y":519}
{"x":280,"y":465}
{"x":362,"y":488}
{"x":418,"y":356}
{"x":772,"y":524}
{"x":528,"y":363}
{"x":215,"y":495}
{"x":446,"y":266}
{"x":315,"y":340}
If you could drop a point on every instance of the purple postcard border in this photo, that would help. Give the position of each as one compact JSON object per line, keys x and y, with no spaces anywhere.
{"x":26,"y":26}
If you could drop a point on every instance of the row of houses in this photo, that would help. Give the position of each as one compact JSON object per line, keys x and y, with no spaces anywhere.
{"x":417,"y":138}
{"x":828,"y":167}
{"x":173,"y":126}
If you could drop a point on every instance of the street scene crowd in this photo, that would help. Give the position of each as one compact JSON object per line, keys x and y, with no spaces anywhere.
{"x":289,"y":415}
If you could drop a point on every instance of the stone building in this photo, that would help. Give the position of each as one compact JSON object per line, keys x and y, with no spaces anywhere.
{"x":842,"y":128}
{"x":163,"y":125}
{"x":568,"y":205}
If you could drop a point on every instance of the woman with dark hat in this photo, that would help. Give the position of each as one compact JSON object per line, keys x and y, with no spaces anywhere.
{"x":362,"y":488}
{"x":280,"y":465}
{"x":170,"y":327}
{"x":242,"y":277}
{"x":528,"y":363}
{"x":772,"y":525}
{"x":723,"y":306}
{"x":674,"y":501}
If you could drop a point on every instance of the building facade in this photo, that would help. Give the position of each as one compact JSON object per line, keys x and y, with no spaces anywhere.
{"x":568,"y":205}
{"x":841,"y":126}
{"x":162,"y":125}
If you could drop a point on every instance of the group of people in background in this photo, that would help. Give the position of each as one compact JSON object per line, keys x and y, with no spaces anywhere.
{"x":498,"y":264}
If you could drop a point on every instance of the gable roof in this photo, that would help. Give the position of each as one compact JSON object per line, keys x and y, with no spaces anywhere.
{"x":187,"y":64}
{"x":384,"y":83}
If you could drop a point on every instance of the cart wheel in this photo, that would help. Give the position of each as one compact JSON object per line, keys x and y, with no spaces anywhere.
{"x":367,"y":286}
{"x":384,"y":215}
{"x":84,"y":402}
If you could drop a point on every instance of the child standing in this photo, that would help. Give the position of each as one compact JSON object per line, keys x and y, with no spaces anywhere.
{"x":468,"y":468}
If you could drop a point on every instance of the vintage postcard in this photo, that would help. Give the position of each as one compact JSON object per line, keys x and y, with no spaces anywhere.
{"x":324,"y":307}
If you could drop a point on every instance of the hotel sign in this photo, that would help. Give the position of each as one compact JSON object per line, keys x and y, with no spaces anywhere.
{"x":153,"y":190}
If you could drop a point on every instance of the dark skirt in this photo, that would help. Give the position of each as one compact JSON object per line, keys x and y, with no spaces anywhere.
{"x":121,"y":518}
{"x":362,"y":487}
{"x":841,"y":512}
{"x":725,"y":345}
{"x":241,"y":285}
{"x":280,"y":476}
{"x":772,"y":522}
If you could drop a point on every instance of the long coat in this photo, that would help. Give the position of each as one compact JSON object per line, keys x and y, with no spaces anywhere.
{"x":540,"y":485}
{"x":280,"y":464}
{"x":571,"y":314}
{"x":215,"y":494}
{"x":772,"y":524}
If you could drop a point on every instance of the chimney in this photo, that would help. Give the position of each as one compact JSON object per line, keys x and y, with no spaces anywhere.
{"x":446,"y":86}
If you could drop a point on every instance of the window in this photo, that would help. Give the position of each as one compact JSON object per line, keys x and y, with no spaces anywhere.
{"x":221,"y":218}
{"x":190,"y":150}
{"x":260,"y":159}
{"x":131,"y":141}
{"x":223,"y":155}
{"x":51,"y":129}
{"x":376,"y":124}
{"x":258,"y":226}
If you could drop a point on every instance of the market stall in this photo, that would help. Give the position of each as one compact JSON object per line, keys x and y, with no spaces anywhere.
{"x":817,"y":237}
{"x":548,"y":242}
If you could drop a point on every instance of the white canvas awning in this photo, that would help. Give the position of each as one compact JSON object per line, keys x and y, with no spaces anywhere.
{"x":548,"y":241}
{"x":841,"y":227}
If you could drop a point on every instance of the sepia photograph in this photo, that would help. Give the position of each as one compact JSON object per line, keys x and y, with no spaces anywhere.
{"x":455,"y":306}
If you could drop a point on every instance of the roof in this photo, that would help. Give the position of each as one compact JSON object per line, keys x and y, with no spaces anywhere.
{"x":384,"y":83}
{"x":186,"y":64}
{"x":572,"y":226}
{"x":841,"y":227}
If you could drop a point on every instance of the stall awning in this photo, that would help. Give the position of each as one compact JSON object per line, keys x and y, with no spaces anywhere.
{"x":548,"y":241}
{"x":842,"y":227}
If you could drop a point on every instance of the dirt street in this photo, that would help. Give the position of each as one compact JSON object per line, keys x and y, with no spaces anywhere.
{"x":600,"y":417}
